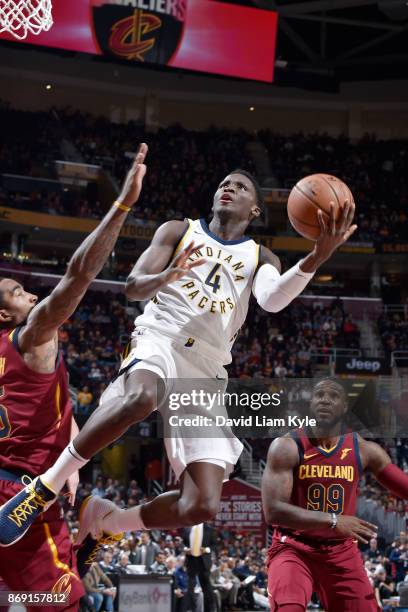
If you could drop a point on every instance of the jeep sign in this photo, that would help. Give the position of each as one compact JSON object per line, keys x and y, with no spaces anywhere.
{"x":363,"y":366}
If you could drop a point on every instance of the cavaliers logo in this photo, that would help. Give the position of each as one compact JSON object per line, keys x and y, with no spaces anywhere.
{"x":345,"y":452}
{"x":63,"y":585}
{"x":139,"y":30}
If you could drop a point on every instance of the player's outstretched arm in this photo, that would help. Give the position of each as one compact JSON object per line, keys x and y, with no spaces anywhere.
{"x":379,"y":463}
{"x":154,"y":268}
{"x":277,"y":486}
{"x":86,"y":263}
{"x":274,"y":291}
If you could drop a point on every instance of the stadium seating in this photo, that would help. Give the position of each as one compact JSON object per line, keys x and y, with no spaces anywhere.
{"x":185,"y":166}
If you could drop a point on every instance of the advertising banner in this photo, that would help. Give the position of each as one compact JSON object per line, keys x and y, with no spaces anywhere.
{"x":145,"y":594}
{"x":241,"y":510}
{"x":363,"y":366}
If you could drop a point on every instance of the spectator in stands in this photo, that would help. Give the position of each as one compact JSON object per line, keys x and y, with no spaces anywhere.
{"x":402,"y":590}
{"x":102,"y":597}
{"x":383,"y":584}
{"x":128,"y":545}
{"x":373,"y":553}
{"x":99,"y":489}
{"x":393,"y":328}
{"x":107,"y":561}
{"x":241,"y":570}
{"x":146,"y":553}
{"x":95,"y":372}
{"x":134,"y":490}
{"x":171,"y":563}
{"x":227,"y":585}
{"x":235,"y":549}
{"x":159,"y":566}
{"x":84,"y":397}
{"x":399,"y":558}
{"x":111,"y":487}
{"x":260,"y":586}
{"x":349,"y":327}
{"x":122,"y":565}
{"x":181,"y":592}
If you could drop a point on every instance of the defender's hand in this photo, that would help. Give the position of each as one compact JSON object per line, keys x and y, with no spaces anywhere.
{"x":181,"y":265}
{"x":334,"y":233}
{"x":133,"y":183}
{"x":353,"y":527}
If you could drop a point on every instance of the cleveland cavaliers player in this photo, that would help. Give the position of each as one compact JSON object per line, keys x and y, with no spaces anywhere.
{"x":199,"y":301}
{"x":36,"y":420}
{"x":309,"y":493}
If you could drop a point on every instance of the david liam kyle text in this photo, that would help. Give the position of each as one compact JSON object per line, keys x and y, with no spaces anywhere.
{"x":176,"y":420}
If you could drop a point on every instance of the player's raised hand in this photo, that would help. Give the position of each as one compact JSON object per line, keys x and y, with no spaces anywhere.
{"x":133,"y":182}
{"x":358,"y":529}
{"x":334,"y":233}
{"x":181,"y":265}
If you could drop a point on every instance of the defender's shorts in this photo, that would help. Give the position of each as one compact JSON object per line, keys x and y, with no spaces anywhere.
{"x":334,"y":571}
{"x":178,"y":368}
{"x":43,"y":560}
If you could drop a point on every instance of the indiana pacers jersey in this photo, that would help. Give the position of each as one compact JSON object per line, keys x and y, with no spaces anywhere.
{"x":206,"y":308}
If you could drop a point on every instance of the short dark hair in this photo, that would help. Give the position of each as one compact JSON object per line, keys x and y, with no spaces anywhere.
{"x":333,"y":380}
{"x":258,"y":191}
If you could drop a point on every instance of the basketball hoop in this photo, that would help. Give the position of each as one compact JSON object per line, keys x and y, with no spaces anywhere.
{"x":20,"y":17}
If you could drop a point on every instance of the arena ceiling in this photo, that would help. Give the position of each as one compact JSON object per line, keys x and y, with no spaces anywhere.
{"x":324,"y":42}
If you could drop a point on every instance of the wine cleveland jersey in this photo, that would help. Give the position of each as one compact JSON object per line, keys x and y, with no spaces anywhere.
{"x":326,"y":480}
{"x":35,"y":411}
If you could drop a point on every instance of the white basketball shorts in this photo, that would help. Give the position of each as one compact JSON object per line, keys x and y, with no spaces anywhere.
{"x":176,"y":365}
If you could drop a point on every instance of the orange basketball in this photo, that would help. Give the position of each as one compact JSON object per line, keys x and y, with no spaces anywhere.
{"x":312,"y":193}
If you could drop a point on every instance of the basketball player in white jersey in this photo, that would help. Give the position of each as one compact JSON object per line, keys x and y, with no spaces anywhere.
{"x":198,"y":279}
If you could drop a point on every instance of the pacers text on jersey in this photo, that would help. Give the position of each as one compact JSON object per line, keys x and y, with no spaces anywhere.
{"x":194,"y":289}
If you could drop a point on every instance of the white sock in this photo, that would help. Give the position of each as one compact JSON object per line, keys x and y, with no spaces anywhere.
{"x":67,"y":463}
{"x":123,"y":520}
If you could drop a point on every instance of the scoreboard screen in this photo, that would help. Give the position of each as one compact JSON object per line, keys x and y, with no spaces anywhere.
{"x":199,"y":35}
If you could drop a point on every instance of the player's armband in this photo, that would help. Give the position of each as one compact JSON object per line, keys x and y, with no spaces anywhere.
{"x":273,"y":292}
{"x":395,"y":480}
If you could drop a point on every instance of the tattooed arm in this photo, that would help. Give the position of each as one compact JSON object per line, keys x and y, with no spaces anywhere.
{"x":38,"y":338}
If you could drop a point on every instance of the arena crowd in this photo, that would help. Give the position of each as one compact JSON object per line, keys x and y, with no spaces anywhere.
{"x":185,"y":166}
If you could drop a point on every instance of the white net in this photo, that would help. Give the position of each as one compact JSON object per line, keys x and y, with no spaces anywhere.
{"x":20,"y":17}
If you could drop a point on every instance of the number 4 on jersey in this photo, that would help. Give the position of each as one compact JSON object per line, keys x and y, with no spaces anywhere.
{"x":214,"y":279}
